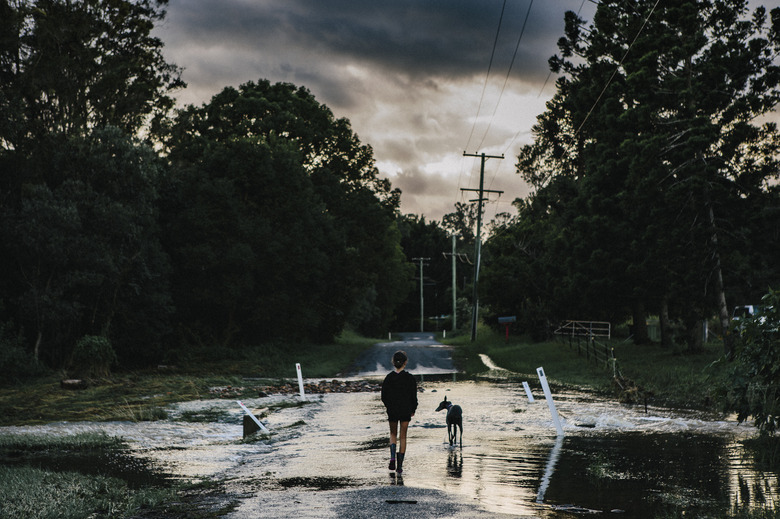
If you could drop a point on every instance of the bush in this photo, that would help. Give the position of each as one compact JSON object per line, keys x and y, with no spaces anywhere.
{"x":93,"y":357}
{"x":754,"y":385}
{"x":15,"y":362}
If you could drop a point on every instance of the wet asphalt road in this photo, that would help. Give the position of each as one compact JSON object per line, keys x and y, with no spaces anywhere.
{"x":339,"y":468}
{"x":426,"y":356}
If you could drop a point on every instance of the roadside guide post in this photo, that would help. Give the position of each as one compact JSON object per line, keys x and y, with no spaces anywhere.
{"x":550,"y":403}
{"x":300,"y":381}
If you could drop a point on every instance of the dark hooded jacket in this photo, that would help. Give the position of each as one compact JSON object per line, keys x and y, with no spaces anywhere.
{"x":399,"y":394}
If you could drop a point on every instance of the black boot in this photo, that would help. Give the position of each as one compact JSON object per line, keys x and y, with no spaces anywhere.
{"x":400,"y":465}
{"x":391,"y":466}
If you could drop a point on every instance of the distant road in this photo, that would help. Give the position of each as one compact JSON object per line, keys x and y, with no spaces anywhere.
{"x":426,"y":356}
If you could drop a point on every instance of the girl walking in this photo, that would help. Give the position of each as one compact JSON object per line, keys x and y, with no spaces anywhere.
{"x":399,"y":394}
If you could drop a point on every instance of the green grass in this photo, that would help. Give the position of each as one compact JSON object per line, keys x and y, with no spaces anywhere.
{"x":143,"y":395}
{"x":666,"y":376}
{"x":16,"y":444}
{"x":94,"y":475}
{"x":32,"y":486}
{"x":35,"y":493}
{"x":277,"y":360}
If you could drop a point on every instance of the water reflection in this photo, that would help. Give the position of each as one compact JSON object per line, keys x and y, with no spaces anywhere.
{"x":649,"y":475}
{"x":555,"y":453}
{"x":455,"y":463}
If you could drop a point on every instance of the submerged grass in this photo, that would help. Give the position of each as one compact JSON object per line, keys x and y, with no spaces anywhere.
{"x":93,"y":475}
{"x":32,"y":488}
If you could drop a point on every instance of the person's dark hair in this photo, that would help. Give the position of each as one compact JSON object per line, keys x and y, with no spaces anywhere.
{"x":399,"y":358}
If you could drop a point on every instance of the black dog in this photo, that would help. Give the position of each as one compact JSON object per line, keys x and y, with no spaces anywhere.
{"x":454,"y":420}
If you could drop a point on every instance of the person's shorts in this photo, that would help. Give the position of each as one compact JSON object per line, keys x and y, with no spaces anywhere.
{"x":399,"y":417}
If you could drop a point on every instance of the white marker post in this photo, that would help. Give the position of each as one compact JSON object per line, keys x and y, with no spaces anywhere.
{"x":550,"y":403}
{"x":300,"y":381}
{"x":252,"y":416}
{"x":528,"y":391}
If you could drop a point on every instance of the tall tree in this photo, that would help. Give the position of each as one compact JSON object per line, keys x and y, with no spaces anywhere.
{"x":654,"y":119}
{"x":79,"y":79}
{"x":68,"y":66}
{"x":267,"y":173}
{"x":84,"y":255}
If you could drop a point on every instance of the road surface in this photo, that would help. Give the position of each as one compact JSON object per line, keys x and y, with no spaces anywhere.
{"x":426,"y":356}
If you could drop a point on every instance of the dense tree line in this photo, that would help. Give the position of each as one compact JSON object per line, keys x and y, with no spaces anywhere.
{"x":655,"y":174}
{"x":254,"y":217}
{"x":277,"y":222}
{"x":260,"y":216}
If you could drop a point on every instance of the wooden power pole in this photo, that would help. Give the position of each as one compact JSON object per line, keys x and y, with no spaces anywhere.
{"x":478,"y":239}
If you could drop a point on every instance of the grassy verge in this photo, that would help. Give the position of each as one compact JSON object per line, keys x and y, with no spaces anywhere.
{"x":143,"y":395}
{"x":36,"y":493}
{"x":85,"y":475}
{"x":665,"y":376}
{"x":277,"y":360}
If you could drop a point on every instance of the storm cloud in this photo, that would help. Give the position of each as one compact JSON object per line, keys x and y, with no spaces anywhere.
{"x":410,"y":75}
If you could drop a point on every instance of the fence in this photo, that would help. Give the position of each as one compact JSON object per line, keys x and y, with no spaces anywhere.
{"x":585,"y":329}
{"x":585,"y":333}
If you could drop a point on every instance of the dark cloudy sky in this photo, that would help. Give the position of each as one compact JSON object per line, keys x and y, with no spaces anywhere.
{"x":410,"y":75}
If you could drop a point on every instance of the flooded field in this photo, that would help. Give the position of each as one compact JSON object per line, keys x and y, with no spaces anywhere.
{"x":325,"y":457}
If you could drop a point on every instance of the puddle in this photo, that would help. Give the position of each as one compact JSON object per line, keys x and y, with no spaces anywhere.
{"x":133,"y":470}
{"x":315,"y":483}
{"x":614,"y":459}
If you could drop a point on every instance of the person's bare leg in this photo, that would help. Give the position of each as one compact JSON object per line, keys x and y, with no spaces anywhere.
{"x":402,"y":446}
{"x":402,"y":437}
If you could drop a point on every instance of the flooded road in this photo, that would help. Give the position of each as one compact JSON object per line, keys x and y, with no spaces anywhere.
{"x":328,"y":457}
{"x":612,"y":460}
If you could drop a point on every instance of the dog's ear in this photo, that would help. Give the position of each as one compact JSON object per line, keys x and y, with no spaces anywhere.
{"x":445,"y":398}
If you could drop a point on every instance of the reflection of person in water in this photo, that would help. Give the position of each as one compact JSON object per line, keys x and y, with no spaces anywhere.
{"x":399,"y":394}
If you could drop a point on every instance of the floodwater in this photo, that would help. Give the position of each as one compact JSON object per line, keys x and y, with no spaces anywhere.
{"x":613,"y":460}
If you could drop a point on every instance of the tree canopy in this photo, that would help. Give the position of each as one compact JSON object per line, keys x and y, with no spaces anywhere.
{"x":78,"y":193}
{"x":67,"y":67}
{"x":277,"y":220}
{"x":256,"y":217}
{"x":649,"y":165}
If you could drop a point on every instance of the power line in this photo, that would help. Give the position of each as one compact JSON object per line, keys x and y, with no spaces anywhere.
{"x":422,"y":283}
{"x":490,"y":65}
{"x":617,"y":67}
{"x":508,"y":72}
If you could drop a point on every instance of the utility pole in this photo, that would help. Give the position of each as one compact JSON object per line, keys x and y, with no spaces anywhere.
{"x":454,"y":285}
{"x":422,"y":283}
{"x":478,"y":240}
{"x":460,"y":257}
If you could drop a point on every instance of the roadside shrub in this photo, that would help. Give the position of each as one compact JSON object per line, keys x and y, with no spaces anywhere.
{"x":754,"y":386}
{"x":93,"y":357}
{"x":15,"y":362}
